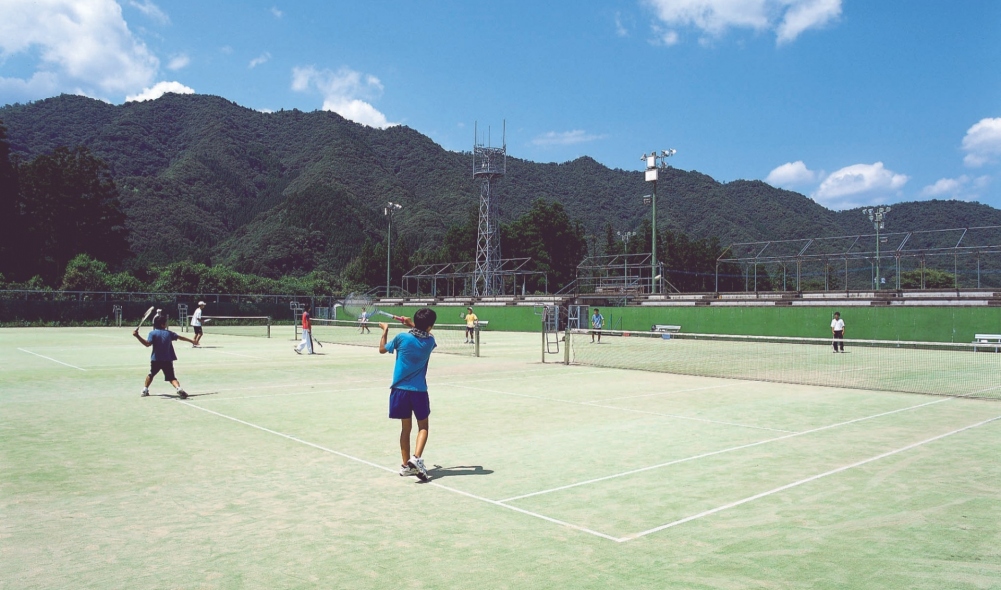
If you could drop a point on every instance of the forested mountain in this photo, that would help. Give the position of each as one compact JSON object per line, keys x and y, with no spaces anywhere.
{"x":203,"y":179}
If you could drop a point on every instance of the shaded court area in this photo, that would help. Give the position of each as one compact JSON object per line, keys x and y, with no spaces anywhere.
{"x":280,"y":471}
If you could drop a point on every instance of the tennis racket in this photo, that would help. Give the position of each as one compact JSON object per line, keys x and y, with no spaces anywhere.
{"x":145,"y":316}
{"x":398,"y":318}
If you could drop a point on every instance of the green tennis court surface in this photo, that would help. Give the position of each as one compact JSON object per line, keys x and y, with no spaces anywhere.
{"x":280,"y":472}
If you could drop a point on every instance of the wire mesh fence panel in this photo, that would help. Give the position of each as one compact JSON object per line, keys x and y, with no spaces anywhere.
{"x":969,"y":370}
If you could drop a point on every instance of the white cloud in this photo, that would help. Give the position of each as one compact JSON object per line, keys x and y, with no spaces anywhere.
{"x":83,"y":47}
{"x":178,"y":62}
{"x":982,"y":143}
{"x":260,"y":59}
{"x":344,"y":92}
{"x":788,"y":18}
{"x":620,"y":28}
{"x":158,"y":90}
{"x":856,"y":185}
{"x":565,"y":138}
{"x":791,"y":174}
{"x":276,"y":12}
{"x":151,"y":10}
{"x":964,"y":188}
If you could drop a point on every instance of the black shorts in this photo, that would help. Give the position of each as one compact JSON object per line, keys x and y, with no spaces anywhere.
{"x":198,"y":330}
{"x":166,"y":366}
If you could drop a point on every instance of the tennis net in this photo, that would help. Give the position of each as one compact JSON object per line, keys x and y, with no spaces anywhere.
{"x":968,"y":370}
{"x":259,"y":326}
{"x":450,"y":338}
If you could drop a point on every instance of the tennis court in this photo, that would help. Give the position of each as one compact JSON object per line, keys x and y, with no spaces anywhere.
{"x":280,"y":472}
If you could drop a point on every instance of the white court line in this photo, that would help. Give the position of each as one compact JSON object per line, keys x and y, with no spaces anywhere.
{"x":393,"y":471}
{"x":720,"y":452}
{"x":803,"y":481}
{"x":52,"y":359}
{"x":591,"y":405}
{"x":243,"y":355}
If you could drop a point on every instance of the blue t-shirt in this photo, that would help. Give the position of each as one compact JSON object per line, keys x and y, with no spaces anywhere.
{"x":597,"y":320}
{"x":163,"y":349}
{"x":412,"y":356}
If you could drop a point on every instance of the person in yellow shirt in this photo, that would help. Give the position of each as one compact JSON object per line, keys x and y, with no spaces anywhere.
{"x":470,"y":318}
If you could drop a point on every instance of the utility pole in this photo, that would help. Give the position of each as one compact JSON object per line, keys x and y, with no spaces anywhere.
{"x":654,"y":163}
{"x":877,"y":215}
{"x":390,"y":209}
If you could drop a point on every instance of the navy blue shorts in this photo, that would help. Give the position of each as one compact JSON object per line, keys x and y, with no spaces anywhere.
{"x":403,"y":403}
{"x":166,"y":366}
{"x":198,"y":330}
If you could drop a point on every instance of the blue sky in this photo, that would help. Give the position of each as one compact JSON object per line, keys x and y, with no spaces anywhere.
{"x":848,"y":102}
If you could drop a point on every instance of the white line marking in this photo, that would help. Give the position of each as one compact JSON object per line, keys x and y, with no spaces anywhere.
{"x":52,"y":359}
{"x":238,"y":354}
{"x":720,"y":452}
{"x":804,"y":481}
{"x":384,"y":468}
{"x":593,"y":405}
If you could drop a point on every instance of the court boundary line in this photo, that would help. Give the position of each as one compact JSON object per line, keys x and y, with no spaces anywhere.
{"x":719,"y":452}
{"x":803,"y":481}
{"x":393,"y":471}
{"x":52,"y":359}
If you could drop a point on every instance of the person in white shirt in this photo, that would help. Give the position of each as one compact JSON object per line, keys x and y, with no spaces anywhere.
{"x":838,"y":330}
{"x":196,"y":323}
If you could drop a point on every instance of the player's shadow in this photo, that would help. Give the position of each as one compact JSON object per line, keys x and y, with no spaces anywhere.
{"x":438,"y":471}
{"x":190,"y":395}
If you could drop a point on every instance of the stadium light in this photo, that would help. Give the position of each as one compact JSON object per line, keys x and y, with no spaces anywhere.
{"x":877,"y":215}
{"x":654,"y":163}
{"x":389,"y":210}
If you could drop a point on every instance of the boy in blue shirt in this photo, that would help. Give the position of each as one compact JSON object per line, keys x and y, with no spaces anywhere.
{"x":597,"y":321}
{"x":409,"y":391}
{"x":163,"y":356}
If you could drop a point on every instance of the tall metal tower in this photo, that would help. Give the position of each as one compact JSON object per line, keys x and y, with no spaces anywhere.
{"x":489,"y":164}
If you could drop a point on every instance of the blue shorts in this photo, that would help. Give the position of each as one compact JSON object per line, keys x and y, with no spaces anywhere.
{"x":403,"y":403}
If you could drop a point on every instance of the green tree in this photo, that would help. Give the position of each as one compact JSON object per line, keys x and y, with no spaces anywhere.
{"x":68,"y":206}
{"x":933,"y":279}
{"x":548,"y":236}
{"x":11,"y":255}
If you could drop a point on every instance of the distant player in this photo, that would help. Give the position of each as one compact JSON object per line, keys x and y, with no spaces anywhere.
{"x":408,"y":395}
{"x":838,"y":330}
{"x":307,"y":332}
{"x":597,"y":321}
{"x":363,"y":322}
{"x":163,"y":356}
{"x":470,"y":319}
{"x":196,"y":323}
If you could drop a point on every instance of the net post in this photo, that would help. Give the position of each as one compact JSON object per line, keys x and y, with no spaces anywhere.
{"x":269,"y":326}
{"x":566,"y":347}
{"x":476,"y":340}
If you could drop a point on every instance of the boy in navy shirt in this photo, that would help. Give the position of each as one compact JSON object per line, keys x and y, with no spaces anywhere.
{"x":409,"y":391}
{"x":163,"y":356}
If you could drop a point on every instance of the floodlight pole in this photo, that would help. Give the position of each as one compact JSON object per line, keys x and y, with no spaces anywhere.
{"x":390,"y":209}
{"x":877,"y":215}
{"x":653,"y":162}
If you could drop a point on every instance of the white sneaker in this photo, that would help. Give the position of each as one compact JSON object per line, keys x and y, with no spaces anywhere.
{"x":406,"y":471}
{"x":418,"y":464}
{"x":145,"y":392}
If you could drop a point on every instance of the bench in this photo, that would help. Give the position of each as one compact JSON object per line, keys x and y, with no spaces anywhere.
{"x":988,"y":339}
{"x":665,"y":328}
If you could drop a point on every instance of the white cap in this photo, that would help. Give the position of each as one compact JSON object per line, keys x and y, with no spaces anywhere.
{"x":201,"y":303}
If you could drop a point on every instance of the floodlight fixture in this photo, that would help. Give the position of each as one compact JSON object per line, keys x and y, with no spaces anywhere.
{"x":877,"y":215}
